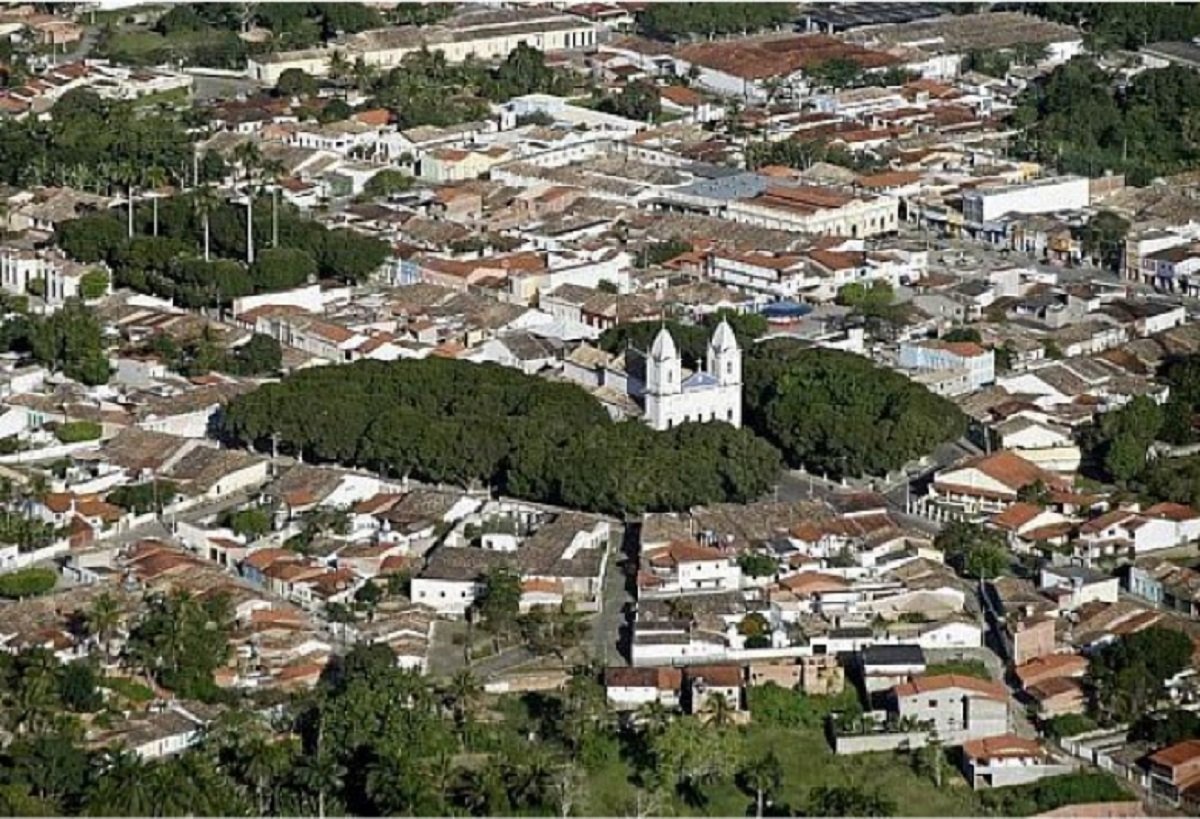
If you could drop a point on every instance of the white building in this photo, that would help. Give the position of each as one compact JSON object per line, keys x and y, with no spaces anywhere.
{"x":1056,"y":193}
{"x":486,"y":34}
{"x":712,"y":394}
{"x":959,"y":708}
{"x":687,"y":567}
{"x":978,"y":363}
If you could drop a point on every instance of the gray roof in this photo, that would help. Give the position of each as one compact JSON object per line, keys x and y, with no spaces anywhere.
{"x":894,"y":655}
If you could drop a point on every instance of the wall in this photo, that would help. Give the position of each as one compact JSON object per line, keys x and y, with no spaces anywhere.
{"x":864,"y":743}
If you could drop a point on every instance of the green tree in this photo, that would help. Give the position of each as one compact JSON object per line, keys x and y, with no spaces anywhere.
{"x":1127,"y":675}
{"x":251,"y":523}
{"x":388,"y":182}
{"x":282,"y":268}
{"x":763,"y":777}
{"x":690,"y":754}
{"x":295,"y":82}
{"x":838,"y":413}
{"x":757,"y":564}
{"x":637,"y":100}
{"x":1103,"y":238}
{"x":93,"y":284}
{"x":181,"y":641}
{"x":973,"y":550}
{"x":70,"y":341}
{"x":24,"y":583}
{"x":499,"y":602}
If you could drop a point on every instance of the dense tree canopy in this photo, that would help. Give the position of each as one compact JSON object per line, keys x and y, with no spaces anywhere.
{"x":428,"y":90}
{"x":1125,"y":25}
{"x":97,"y":146}
{"x":171,"y":265}
{"x":674,"y":21}
{"x":973,"y":550}
{"x":69,"y":341}
{"x":838,"y":413}
{"x":1127,"y":675}
{"x":1080,"y":121}
{"x":450,"y":421}
{"x":181,"y":641}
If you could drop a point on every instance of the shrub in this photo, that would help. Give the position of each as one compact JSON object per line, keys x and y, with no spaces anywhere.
{"x":74,"y":432}
{"x":27,"y":583}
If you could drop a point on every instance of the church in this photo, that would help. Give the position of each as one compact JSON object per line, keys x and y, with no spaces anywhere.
{"x":711,"y":394}
{"x":655,"y":385}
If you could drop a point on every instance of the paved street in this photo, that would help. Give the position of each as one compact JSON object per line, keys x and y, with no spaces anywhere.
{"x":608,"y":626}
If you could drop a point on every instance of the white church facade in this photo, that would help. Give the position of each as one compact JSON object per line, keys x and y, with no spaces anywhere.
{"x":713,"y":393}
{"x":655,"y":387}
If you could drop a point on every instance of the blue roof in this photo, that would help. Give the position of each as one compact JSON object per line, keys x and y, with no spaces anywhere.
{"x":786,"y":309}
{"x":700,"y":381}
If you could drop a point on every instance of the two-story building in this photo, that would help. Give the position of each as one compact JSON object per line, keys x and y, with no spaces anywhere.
{"x":958,"y":708}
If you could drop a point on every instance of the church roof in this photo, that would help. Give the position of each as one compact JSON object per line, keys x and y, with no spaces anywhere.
{"x":723,"y":337}
{"x":664,"y":346}
{"x":700,"y":381}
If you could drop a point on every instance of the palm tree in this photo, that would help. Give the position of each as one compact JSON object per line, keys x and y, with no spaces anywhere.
{"x":104,"y":618}
{"x":205,"y":201}
{"x":272,"y":169}
{"x":530,"y":780}
{"x":363,"y":74}
{"x":322,"y":774}
{"x":122,"y":787}
{"x":249,"y":158}
{"x":719,"y":710}
{"x":764,"y":777}
{"x":155,"y":177}
{"x":263,"y":764}
{"x":654,"y":718}
{"x":462,"y":696}
{"x":339,"y":66}
{"x":32,"y":703}
{"x":129,"y":175}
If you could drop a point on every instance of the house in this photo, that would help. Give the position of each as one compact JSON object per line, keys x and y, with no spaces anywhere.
{"x":1074,"y":586}
{"x":1027,"y":524}
{"x":704,"y":683}
{"x":1047,"y":445}
{"x":817,"y":675}
{"x":570,"y":550}
{"x":157,"y":734}
{"x":686,"y":566}
{"x":630,"y":688}
{"x":1002,"y":761}
{"x":1186,"y":518}
{"x":978,"y":363}
{"x":1166,"y":584}
{"x":1057,"y":696}
{"x":1175,"y":770}
{"x":689,"y":104}
{"x":1125,"y":531}
{"x":1049,"y":667}
{"x":885,"y":666}
{"x":958,"y":708}
{"x":988,"y":483}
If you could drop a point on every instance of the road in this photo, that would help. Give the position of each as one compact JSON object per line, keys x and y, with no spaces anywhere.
{"x":909,"y":481}
{"x":609,"y":624}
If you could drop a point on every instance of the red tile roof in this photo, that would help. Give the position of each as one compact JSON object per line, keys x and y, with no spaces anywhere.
{"x":941,"y":682}
{"x":1006,"y":745}
{"x":1178,"y":754}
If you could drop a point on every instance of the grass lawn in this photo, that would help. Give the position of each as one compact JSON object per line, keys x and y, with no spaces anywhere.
{"x":965,"y":668}
{"x":807,"y":763}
